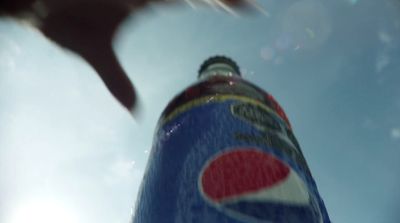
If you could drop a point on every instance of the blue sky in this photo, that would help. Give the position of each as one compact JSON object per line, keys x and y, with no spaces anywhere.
{"x":67,"y":146}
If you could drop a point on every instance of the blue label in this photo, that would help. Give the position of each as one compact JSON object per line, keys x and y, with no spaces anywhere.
{"x":227,"y":158}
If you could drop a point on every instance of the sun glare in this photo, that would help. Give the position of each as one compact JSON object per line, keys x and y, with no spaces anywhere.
{"x":43,"y":211}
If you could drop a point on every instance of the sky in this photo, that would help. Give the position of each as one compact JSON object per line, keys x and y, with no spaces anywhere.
{"x":70,"y":153}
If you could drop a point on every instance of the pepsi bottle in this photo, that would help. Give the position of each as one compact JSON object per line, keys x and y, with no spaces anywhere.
{"x":224,"y":152}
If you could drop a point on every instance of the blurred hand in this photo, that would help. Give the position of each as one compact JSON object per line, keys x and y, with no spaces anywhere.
{"x":87,"y":27}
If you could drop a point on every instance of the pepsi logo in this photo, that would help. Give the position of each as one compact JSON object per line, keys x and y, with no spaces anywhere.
{"x":253,"y":186}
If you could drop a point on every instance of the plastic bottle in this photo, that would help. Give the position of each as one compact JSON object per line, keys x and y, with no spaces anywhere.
{"x":224,"y":152}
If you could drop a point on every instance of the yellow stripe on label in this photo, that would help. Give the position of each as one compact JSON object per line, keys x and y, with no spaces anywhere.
{"x":213,"y":99}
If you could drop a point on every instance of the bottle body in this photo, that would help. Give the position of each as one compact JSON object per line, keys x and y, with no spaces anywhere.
{"x":223,"y":152}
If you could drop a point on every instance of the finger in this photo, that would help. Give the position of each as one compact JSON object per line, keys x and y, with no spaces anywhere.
{"x":106,"y":64}
{"x":89,"y":33}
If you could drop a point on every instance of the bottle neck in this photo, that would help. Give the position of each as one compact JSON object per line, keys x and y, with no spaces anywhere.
{"x":218,"y":69}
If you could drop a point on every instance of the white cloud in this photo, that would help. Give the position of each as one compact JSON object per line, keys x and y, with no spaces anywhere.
{"x":384,"y":37}
{"x":381,"y":62}
{"x":395,"y":133}
{"x":44,"y":211}
{"x":122,"y":170}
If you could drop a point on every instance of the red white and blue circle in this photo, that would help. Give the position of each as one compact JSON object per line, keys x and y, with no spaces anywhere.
{"x":251,"y":185}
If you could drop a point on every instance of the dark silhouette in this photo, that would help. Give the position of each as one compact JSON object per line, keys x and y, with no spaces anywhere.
{"x":87,"y":27}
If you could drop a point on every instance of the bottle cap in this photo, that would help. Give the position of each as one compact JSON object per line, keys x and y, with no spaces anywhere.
{"x":218,"y":66}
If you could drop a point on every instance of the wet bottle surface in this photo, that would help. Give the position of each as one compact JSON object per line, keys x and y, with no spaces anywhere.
{"x":224,"y":151}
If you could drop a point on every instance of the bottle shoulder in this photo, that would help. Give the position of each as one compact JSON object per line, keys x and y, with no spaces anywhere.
{"x":225,"y":86}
